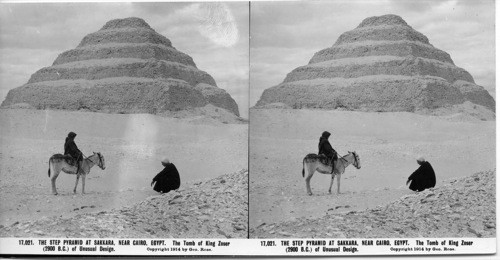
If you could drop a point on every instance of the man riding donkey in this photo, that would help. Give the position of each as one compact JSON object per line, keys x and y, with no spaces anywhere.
{"x":72,"y":150}
{"x":326,"y":149}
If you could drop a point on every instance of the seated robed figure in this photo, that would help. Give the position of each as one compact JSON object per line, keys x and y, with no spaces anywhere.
{"x":326,"y":149}
{"x":168,"y":179}
{"x":423,"y":178}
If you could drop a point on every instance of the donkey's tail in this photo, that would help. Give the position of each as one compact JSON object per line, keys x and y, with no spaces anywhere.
{"x":49,"y":168}
{"x":303,"y":166}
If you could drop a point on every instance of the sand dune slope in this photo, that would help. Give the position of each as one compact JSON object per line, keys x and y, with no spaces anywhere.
{"x":214,"y":209}
{"x":460,"y":208}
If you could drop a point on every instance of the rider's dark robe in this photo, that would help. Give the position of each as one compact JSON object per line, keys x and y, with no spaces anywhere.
{"x":168,"y":179}
{"x":326,"y":148}
{"x":70,"y":148}
{"x":423,"y":178}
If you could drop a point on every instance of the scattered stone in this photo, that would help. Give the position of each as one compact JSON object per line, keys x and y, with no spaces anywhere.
{"x":223,"y":233}
{"x":475,"y":232}
{"x":262,"y":224}
{"x":489,"y":225}
{"x":286,"y":234}
{"x":238,"y":227}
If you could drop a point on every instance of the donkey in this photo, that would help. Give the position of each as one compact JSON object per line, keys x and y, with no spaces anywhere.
{"x":313,"y":164}
{"x":57,"y":163}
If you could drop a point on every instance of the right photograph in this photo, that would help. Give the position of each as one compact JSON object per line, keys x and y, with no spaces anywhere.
{"x":372,"y":119}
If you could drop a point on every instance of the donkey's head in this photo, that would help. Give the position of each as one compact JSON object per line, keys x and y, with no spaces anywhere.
{"x":357,"y":161}
{"x":100,"y":162}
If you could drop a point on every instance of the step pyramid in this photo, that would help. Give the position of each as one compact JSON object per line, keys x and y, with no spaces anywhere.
{"x":382,"y":65}
{"x":125,"y":67}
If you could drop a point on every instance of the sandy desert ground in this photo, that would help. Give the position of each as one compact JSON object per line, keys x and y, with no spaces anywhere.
{"x":132,"y":144}
{"x":387,"y":144}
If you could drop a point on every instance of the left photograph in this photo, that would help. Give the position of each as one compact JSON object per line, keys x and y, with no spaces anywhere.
{"x":124,"y":120}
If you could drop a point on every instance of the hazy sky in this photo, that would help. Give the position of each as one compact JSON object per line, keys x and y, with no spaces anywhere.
{"x":32,"y":35}
{"x":285,"y":35}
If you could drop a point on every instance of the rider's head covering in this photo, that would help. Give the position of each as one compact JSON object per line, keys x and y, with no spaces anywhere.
{"x":420,"y":159}
{"x":71,"y":135}
{"x":325,"y":134}
{"x":165,"y":161}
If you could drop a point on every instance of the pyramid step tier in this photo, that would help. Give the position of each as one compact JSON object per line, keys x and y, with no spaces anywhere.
{"x":125,"y":35}
{"x":131,"y":22}
{"x":125,"y":50}
{"x":218,"y":97}
{"x":388,"y":19}
{"x":126,"y":67}
{"x":476,"y":94}
{"x":381,"y":48}
{"x":115,"y":95}
{"x":382,"y":33}
{"x":383,"y":93}
{"x":379,"y":65}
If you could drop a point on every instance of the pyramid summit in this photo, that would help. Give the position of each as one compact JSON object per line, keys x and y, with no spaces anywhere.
{"x":382,"y":65}
{"x":131,"y":22}
{"x":125,"y":67}
{"x":388,"y":19}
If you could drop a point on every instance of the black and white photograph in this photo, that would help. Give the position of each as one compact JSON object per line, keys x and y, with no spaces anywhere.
{"x":397,"y":95}
{"x":124,"y":120}
{"x":326,"y":128}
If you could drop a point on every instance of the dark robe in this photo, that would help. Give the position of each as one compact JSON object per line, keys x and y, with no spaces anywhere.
{"x":423,"y":178}
{"x":71,"y":149}
{"x":325,"y":148}
{"x":166,"y":180}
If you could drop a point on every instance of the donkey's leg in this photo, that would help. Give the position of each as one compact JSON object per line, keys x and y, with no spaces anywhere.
{"x":331,"y":183}
{"x":338,"y":184}
{"x":55,"y":173}
{"x":310,"y":173}
{"x":53,"y":180}
{"x":83,"y":183}
{"x":76,"y":184}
